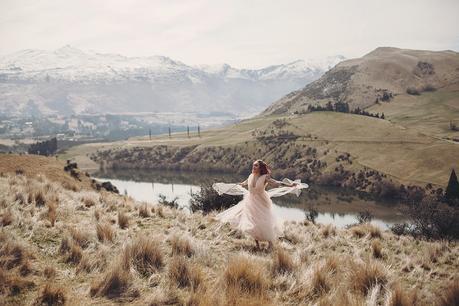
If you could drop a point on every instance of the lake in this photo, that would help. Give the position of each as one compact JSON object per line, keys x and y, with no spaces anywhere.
{"x":335,"y":206}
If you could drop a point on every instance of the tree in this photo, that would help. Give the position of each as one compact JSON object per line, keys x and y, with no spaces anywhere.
{"x":452,"y":190}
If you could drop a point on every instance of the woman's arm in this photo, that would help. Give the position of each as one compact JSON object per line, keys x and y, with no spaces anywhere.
{"x":244,"y":183}
{"x":276,"y":183}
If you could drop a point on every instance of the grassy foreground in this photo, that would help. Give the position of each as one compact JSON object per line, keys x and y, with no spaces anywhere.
{"x":61,"y":244}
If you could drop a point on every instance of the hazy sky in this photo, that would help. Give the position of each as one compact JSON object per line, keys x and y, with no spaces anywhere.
{"x":243,"y":33}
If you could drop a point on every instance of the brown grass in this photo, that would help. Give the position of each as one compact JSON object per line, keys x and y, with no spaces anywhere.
{"x":123,"y":220}
{"x":282,"y":262}
{"x":320,"y":283}
{"x":376,"y":248}
{"x":82,"y":238}
{"x":11,"y":284}
{"x":184,"y":274}
{"x":89,"y":201}
{"x":181,"y":246}
{"x":97,"y":214}
{"x":6,"y":218}
{"x":105,"y":232}
{"x":450,"y":295}
{"x":75,"y":254}
{"x":365,"y":276}
{"x":52,"y":212}
{"x":402,"y":297}
{"x":12,"y":254}
{"x":328,"y":230}
{"x":49,"y":272}
{"x":145,"y":255}
{"x":245,"y":276}
{"x":144,"y":211}
{"x":25,"y":268}
{"x":363,"y":229}
{"x":51,"y":295}
{"x":115,"y":283}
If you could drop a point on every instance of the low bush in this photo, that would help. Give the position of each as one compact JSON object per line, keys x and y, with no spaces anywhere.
{"x":207,"y":200}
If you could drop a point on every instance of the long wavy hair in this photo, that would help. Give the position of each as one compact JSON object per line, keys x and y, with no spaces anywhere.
{"x":264,"y":168}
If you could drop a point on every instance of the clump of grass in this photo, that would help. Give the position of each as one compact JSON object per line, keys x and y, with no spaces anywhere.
{"x":181,"y":246}
{"x":143,"y":211}
{"x":433,"y":252}
{"x":89,"y":201}
{"x":25,"y":268}
{"x":89,"y":263}
{"x":328,"y":230}
{"x":71,"y":249}
{"x":115,"y":283}
{"x":49,"y":272}
{"x":36,"y":195}
{"x":365,"y":276}
{"x":12,"y":254}
{"x":376,"y":248}
{"x":123,"y":220}
{"x":282,"y":262}
{"x":80,"y":237}
{"x":51,"y":214}
{"x":11,"y":284}
{"x":51,"y":295}
{"x":6,"y":218}
{"x":185,"y":274}
{"x":105,"y":232}
{"x":145,"y":255}
{"x":363,"y":229}
{"x":244,"y":276}
{"x":401,"y":297}
{"x":319,"y":284}
{"x":97,"y":214}
{"x":451,"y":294}
{"x":158,"y":210}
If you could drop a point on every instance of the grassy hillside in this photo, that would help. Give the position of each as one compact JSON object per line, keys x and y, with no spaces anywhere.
{"x":403,"y":154}
{"x":91,"y":248}
{"x":377,"y":77}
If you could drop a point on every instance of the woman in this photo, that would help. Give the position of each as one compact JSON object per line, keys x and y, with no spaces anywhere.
{"x":254,"y":214}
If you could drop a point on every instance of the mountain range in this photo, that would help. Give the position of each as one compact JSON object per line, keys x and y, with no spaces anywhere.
{"x":70,"y":81}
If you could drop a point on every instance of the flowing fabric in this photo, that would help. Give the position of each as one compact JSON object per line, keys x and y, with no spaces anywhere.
{"x":254,"y":214}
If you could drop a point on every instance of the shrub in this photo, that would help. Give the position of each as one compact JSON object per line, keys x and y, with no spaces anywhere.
{"x":172,"y":204}
{"x":364,"y":216}
{"x":434,"y":220}
{"x":412,"y":91}
{"x":207,"y":200}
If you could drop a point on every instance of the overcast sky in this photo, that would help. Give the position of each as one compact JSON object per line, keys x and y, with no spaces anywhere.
{"x":243,"y":33}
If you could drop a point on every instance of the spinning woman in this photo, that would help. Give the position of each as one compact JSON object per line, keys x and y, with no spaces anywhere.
{"x":254,"y":214}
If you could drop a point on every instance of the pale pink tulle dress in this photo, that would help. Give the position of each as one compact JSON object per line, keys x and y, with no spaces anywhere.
{"x":254,"y":214}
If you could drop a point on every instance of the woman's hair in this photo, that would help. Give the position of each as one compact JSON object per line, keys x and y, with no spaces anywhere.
{"x":264,"y":168}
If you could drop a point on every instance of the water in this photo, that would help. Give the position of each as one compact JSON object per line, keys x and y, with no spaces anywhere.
{"x":334,"y":206}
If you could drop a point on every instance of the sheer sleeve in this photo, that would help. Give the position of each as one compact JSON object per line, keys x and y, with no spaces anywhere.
{"x":287,"y":186}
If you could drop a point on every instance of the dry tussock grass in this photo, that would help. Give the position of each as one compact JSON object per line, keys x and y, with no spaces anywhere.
{"x":117,"y":282}
{"x":144,"y":212}
{"x":123,"y":220}
{"x":282,"y":262}
{"x":451,"y":294}
{"x":181,"y":246}
{"x":401,"y":297}
{"x":52,"y":212}
{"x":364,"y":276}
{"x":51,"y":295}
{"x":145,"y":255}
{"x":105,"y":232}
{"x":7,"y":217}
{"x":244,"y":276}
{"x":185,"y":274}
{"x":319,"y":275}
{"x":362,"y":230}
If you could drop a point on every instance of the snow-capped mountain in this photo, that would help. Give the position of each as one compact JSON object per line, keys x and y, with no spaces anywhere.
{"x":71,"y":81}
